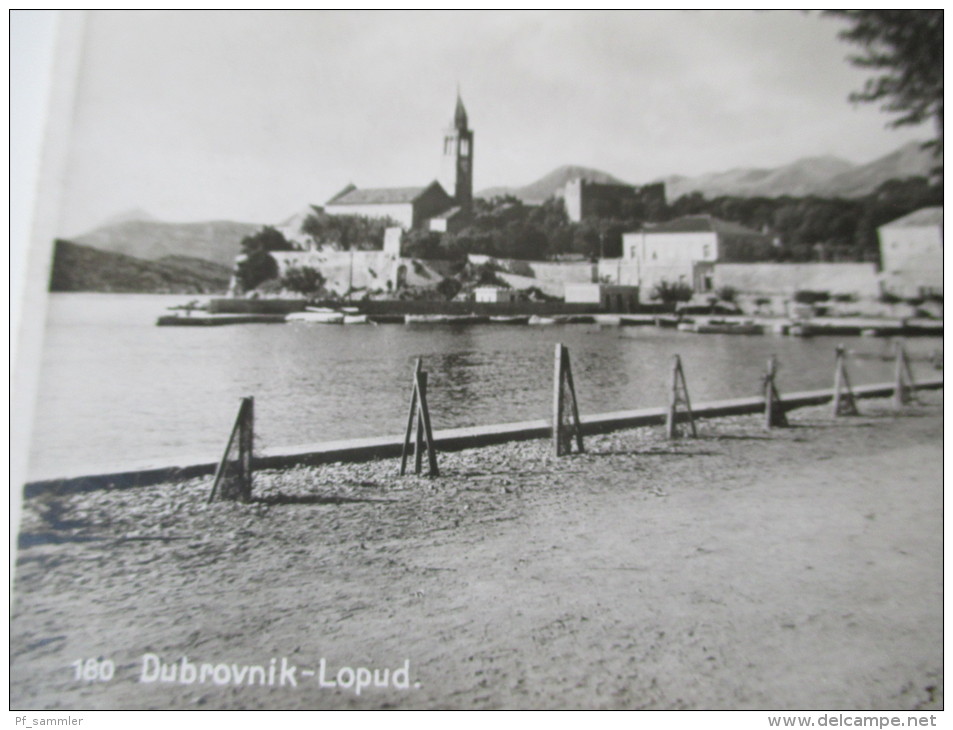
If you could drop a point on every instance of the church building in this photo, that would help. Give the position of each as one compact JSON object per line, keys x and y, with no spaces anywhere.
{"x":442,"y":205}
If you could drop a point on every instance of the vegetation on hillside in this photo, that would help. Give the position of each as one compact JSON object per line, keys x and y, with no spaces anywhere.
{"x":808,"y":228}
{"x":84,"y":268}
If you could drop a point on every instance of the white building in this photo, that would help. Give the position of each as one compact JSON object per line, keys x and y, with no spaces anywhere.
{"x":911,"y":253}
{"x":686,"y":250}
{"x":494,"y":294}
{"x":610,"y":297}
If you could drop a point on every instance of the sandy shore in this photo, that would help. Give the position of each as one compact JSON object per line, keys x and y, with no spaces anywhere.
{"x":800,"y":568}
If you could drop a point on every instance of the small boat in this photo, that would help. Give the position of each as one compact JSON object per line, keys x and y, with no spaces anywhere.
{"x":316,"y":317}
{"x":355,"y":319}
{"x":728,"y":328}
{"x":540,"y":321}
{"x":385,"y":318}
{"x":514,"y":319}
{"x":444,"y":319}
{"x":800,"y":329}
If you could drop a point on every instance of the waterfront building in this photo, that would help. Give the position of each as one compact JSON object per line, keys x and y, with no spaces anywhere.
{"x":687,"y":249}
{"x":911,"y":253}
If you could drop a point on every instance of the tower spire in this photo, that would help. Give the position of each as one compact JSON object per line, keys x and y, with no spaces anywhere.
{"x":460,"y":113}
{"x":457,"y":165}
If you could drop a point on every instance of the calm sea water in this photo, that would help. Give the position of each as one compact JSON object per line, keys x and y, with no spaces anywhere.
{"x":115,"y":388}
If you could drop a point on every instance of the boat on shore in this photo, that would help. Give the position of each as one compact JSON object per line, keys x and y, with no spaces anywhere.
{"x":315,"y":315}
{"x":510,"y":319}
{"x":538,"y":321}
{"x":725,"y":327}
{"x":445,"y":319}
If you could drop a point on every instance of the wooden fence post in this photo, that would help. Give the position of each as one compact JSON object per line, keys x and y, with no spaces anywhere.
{"x":564,"y":390}
{"x":773,"y":407}
{"x":419,"y":417}
{"x":903,"y":391}
{"x":678,"y":396}
{"x":844,"y":403}
{"x":237,"y":487}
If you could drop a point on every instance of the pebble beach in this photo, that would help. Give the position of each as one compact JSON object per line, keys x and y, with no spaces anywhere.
{"x":744,"y":569}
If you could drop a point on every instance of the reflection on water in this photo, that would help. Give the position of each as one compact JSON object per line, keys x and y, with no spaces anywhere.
{"x":115,"y":388}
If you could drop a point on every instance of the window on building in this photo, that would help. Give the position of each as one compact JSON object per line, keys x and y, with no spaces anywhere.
{"x":706,"y":251}
{"x":464,"y":147}
{"x":654,"y":255}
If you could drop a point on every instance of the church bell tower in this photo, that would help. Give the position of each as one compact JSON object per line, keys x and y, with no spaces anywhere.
{"x":457,"y":167}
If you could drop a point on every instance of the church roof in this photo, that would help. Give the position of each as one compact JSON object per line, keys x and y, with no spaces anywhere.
{"x":377,"y":196}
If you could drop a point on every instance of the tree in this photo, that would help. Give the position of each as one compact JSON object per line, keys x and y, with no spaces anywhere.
{"x":905,"y":47}
{"x":256,"y":265}
{"x":347,"y":232}
{"x":303,"y":279}
{"x":671,"y":292}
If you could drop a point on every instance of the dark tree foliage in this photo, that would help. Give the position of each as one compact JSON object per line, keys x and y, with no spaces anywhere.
{"x":346,"y":232}
{"x":905,"y":49}
{"x":267,"y":239}
{"x":256,"y":265}
{"x":671,"y":292}
{"x":820,"y":229}
{"x":303,"y":279}
{"x":255,"y":269}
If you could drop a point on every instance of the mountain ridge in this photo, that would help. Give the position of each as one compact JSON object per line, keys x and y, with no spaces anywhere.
{"x":77,"y":267}
{"x":825,"y":175}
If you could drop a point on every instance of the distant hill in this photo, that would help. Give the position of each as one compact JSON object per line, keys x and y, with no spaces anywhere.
{"x":216,"y":241}
{"x":83,"y":268}
{"x":798,"y":178}
{"x":911,"y":160}
{"x":825,"y":176}
{"x":133,"y":214}
{"x":549,"y":185}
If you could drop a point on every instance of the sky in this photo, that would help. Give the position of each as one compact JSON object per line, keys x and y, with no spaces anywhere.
{"x":253,"y":116}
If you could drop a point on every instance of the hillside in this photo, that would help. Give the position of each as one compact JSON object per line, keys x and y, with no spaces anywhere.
{"x":824,"y":176}
{"x":216,"y":241}
{"x":908,"y":161}
{"x":83,"y":268}
{"x":550,"y":184}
